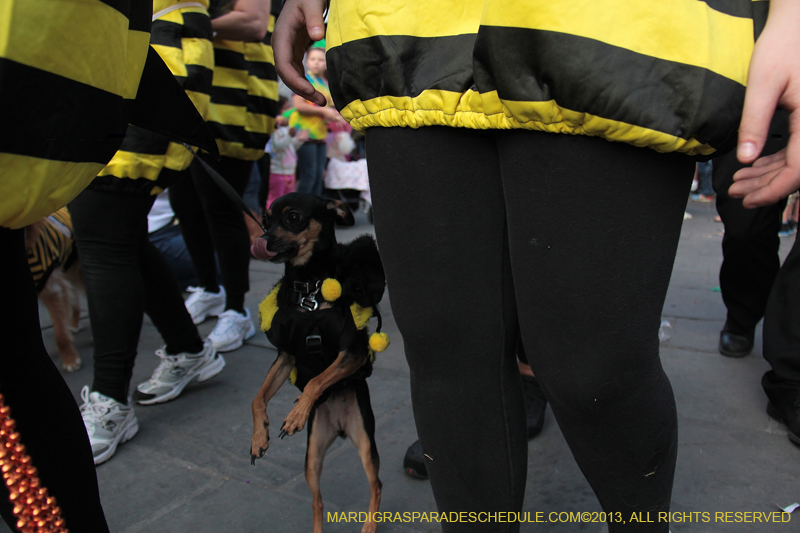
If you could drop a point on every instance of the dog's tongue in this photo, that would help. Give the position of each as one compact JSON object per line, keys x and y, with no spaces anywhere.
{"x":260,"y":251}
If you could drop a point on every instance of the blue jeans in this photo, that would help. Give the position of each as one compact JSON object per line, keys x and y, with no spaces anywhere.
{"x":311,"y":158}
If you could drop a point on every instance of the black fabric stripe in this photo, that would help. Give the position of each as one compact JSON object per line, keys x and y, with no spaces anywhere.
{"x":735,"y":8}
{"x":262,"y":70}
{"x":399,"y":66}
{"x":760,"y":12}
{"x":238,"y":134}
{"x":229,"y":59}
{"x":140,"y":15}
{"x":590,"y":76}
{"x":236,"y":60}
{"x":195,"y":25}
{"x":142,"y":141}
{"x":528,"y":65}
{"x":239,"y":97}
{"x":165,"y":33}
{"x":73,"y":122}
{"x":198,"y":79}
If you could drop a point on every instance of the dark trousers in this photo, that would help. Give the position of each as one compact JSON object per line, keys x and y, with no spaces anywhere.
{"x":211,"y":223}
{"x":750,"y":247}
{"x":125,"y":277}
{"x":311,"y":159}
{"x":782,"y":333}
{"x":42,"y":405}
{"x":566,"y":240}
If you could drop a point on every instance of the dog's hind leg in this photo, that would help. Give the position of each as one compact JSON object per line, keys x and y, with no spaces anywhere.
{"x":74,"y":278}
{"x":360,"y":428}
{"x":55,"y":297}
{"x":322,"y":431}
{"x":277,"y":375}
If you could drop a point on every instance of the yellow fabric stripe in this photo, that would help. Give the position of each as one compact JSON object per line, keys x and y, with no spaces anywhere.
{"x":678,"y":30}
{"x":138,"y":45}
{"x":173,"y":57}
{"x":177,"y":157}
{"x":259,"y":123}
{"x":350,"y":21}
{"x":232,"y":115}
{"x":32,"y":188}
{"x":158,"y":5}
{"x":198,"y":52}
{"x":134,"y":166}
{"x":487,"y":111}
{"x":259,"y":52}
{"x":237,"y":150}
{"x":201,"y":102}
{"x":229,"y":77}
{"x":84,"y":41}
{"x":263,"y":88}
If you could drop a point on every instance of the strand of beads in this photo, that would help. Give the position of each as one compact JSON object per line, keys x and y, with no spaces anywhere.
{"x":35,"y":509}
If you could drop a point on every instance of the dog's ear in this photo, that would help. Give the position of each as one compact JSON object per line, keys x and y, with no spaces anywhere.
{"x":344,"y":217}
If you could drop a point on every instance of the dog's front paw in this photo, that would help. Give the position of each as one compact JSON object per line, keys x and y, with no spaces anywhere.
{"x":296,"y":419}
{"x":259,"y":444}
{"x":369,"y":527}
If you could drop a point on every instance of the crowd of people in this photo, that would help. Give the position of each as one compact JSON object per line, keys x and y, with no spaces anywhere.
{"x":471,"y":108}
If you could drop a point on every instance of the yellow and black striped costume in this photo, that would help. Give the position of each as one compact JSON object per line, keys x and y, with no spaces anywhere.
{"x":666,"y":74}
{"x":54,"y":248}
{"x":244,"y":97}
{"x":69,"y":72}
{"x":147,"y":162}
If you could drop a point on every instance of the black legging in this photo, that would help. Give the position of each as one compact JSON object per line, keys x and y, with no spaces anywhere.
{"x":573,"y":238}
{"x":125,"y":277}
{"x":211,"y":222}
{"x":42,"y":405}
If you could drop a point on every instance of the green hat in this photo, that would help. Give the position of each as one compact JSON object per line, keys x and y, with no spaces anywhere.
{"x":318,"y":44}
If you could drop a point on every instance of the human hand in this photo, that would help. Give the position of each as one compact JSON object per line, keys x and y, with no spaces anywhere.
{"x":774,"y":79}
{"x":331,"y":115}
{"x":302,"y":135}
{"x":299,"y":23}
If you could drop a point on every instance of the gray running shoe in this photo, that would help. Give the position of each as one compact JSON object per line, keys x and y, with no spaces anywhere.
{"x":175,"y":372}
{"x":108,"y":423}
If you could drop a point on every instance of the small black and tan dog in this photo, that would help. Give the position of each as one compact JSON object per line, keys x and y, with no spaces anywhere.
{"x":316,"y":316}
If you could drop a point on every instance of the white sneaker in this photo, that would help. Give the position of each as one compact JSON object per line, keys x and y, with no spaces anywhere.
{"x":108,"y":423}
{"x":175,"y":372}
{"x":232,"y":330}
{"x":202,"y":304}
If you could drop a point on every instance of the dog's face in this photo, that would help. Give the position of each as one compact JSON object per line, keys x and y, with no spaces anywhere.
{"x":298,"y":224}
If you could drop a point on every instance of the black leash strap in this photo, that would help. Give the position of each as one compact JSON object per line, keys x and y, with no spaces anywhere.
{"x":226,"y":187}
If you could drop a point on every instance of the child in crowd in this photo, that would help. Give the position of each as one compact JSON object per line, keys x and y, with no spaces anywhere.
{"x":311,"y":157}
{"x":284,"y":144}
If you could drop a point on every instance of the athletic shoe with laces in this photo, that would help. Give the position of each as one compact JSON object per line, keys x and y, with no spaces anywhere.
{"x":108,"y":423}
{"x":202,"y":304}
{"x":175,"y":372}
{"x":232,"y":330}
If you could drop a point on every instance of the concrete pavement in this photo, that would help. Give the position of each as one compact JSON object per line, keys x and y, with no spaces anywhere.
{"x":188,"y":469}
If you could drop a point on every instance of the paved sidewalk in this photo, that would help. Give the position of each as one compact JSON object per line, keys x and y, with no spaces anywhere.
{"x":188,"y":469}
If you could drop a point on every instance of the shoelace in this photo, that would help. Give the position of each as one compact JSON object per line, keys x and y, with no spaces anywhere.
{"x":166,"y":364}
{"x":94,"y":410}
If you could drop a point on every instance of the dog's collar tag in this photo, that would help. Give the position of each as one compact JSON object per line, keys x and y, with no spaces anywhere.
{"x":309,"y":302}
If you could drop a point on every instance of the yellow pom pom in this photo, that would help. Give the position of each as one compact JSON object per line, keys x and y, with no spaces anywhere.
{"x":331,"y":290}
{"x":378,"y":342}
{"x":293,"y":375}
{"x":268,"y":308}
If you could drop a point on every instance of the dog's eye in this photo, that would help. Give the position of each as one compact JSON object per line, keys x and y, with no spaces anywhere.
{"x":293,"y":218}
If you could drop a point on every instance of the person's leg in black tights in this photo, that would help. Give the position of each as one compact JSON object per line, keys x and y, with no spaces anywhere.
{"x":211,"y":223}
{"x":125,"y":275}
{"x":40,"y":402}
{"x":576,"y":237}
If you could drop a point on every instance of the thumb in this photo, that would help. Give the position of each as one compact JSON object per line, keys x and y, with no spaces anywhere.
{"x":315,"y":25}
